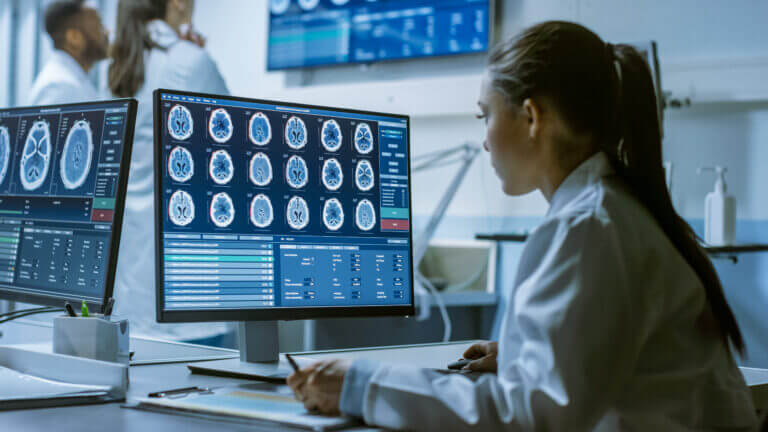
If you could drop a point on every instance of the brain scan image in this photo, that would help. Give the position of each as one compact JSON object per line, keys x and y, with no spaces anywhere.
{"x":331,"y":135}
{"x":295,"y":133}
{"x":180,"y":164}
{"x":332,"y":175}
{"x":222,"y":210}
{"x":220,"y":168}
{"x":333,"y":214}
{"x":259,"y":129}
{"x":36,"y":157}
{"x":220,"y":125}
{"x":364,"y":175}
{"x":308,"y":4}
{"x":261,"y":211}
{"x":278,"y":7}
{"x":180,"y":122}
{"x":76,"y":156}
{"x":297,"y":213}
{"x":363,"y":138}
{"x":296,"y":173}
{"x":260,"y":170}
{"x":365,"y":215}
{"x":5,"y":151}
{"x":181,"y":208}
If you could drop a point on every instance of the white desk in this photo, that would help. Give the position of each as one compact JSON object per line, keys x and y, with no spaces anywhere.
{"x":157,"y":377}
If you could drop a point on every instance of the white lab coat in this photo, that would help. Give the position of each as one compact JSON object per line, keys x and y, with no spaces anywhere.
{"x":62,"y":80}
{"x":601,"y":334}
{"x":177,"y":65}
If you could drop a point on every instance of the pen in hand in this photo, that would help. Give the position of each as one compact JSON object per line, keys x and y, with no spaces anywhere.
{"x":290,"y":359}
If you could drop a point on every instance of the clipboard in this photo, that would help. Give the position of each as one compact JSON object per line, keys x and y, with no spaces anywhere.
{"x":242,"y":404}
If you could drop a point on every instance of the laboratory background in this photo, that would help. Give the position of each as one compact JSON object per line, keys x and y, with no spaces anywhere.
{"x":712,"y":64}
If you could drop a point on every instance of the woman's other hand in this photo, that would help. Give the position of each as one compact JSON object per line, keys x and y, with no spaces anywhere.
{"x":483,"y":356}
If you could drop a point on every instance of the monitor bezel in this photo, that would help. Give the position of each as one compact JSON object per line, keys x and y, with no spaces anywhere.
{"x":493,"y":14}
{"x":266,"y":314}
{"x":117,"y":221}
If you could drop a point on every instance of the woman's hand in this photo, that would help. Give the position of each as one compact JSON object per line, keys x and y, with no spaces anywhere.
{"x":483,"y":356}
{"x":188,"y":33}
{"x":319,"y":385}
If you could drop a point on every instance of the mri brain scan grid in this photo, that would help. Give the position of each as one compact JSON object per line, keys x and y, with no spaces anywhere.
{"x":258,"y":129}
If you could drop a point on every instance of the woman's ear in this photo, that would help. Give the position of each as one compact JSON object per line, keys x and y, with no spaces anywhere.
{"x":532,"y":112}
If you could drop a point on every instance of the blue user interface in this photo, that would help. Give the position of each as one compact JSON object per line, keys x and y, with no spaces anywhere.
{"x":59,"y":176}
{"x":323,"y":32}
{"x":282,"y":206}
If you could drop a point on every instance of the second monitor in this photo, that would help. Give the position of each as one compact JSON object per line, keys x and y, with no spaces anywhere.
{"x":269,"y":211}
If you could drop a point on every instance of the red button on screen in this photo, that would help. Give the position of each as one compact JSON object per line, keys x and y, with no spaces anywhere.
{"x":102,"y":215}
{"x":394,"y":224}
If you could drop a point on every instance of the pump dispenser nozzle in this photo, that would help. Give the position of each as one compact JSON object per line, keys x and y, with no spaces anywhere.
{"x":720,"y":186}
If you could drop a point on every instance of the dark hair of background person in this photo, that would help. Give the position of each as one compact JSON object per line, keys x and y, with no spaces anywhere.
{"x":60,"y":16}
{"x":606,"y":92}
{"x":126,"y":73}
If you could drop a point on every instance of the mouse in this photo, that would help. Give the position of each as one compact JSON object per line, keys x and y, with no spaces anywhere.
{"x":459,"y":364}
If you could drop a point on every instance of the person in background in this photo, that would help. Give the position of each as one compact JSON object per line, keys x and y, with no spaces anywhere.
{"x":618,"y":320}
{"x":154,"y":48}
{"x":79,"y":41}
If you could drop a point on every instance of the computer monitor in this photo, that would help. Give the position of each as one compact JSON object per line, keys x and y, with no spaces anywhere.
{"x":63,"y":176}
{"x":272,"y":211}
{"x":332,"y":32}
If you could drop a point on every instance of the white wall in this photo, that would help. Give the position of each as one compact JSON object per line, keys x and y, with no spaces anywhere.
{"x":441,"y":92}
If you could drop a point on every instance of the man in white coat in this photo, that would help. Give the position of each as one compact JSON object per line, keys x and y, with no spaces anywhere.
{"x":80,"y":40}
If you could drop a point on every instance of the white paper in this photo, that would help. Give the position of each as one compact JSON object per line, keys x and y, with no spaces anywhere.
{"x":16,"y":386}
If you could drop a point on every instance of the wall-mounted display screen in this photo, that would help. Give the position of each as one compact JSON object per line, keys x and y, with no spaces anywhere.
{"x":304,"y":33}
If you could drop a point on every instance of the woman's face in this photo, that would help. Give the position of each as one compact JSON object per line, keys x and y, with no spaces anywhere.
{"x":508,"y":139}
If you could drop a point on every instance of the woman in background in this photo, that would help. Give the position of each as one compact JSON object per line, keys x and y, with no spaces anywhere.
{"x":618,"y":320}
{"x":154,"y":48}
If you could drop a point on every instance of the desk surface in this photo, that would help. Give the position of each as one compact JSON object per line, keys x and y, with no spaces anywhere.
{"x":150,"y":378}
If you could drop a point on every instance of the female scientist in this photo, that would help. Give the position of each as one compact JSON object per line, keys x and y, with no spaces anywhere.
{"x":154,"y":48}
{"x":618,"y":319}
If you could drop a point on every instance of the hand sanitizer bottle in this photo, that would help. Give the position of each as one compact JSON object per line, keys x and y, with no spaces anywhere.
{"x":719,"y":211}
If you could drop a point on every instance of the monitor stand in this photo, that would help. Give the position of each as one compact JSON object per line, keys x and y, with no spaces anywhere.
{"x":259,"y":355}
{"x":258,"y":341}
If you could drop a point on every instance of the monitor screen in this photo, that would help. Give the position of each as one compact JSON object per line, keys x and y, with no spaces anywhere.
{"x":63,"y":174}
{"x":270,"y":210}
{"x":305,"y":33}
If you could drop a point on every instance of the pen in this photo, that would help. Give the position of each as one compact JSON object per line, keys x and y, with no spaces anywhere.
{"x":178,"y":391}
{"x":108,"y":308}
{"x":84,"y":310}
{"x":70,"y":310}
{"x":292,"y":362}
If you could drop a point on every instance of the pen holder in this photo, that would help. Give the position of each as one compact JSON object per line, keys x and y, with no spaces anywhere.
{"x":93,"y":337}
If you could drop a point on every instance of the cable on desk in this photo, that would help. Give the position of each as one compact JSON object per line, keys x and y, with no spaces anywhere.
{"x":27,"y":312}
{"x":14,"y":312}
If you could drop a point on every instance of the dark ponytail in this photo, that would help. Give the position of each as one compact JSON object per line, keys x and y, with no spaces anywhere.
{"x":607,"y":92}
{"x":126,"y":73}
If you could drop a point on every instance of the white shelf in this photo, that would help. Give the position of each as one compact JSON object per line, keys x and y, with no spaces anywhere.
{"x":712,"y":81}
